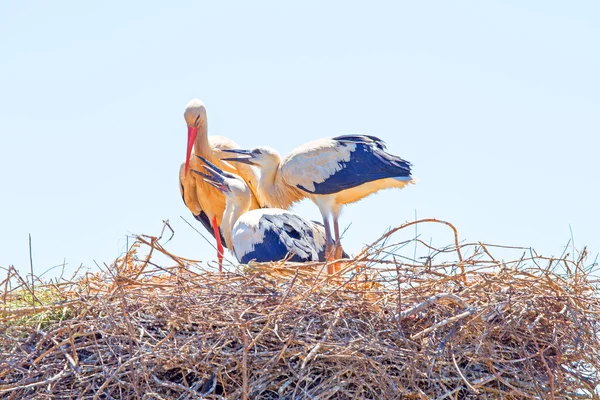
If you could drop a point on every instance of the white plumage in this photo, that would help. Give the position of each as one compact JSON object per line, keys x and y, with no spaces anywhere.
{"x":314,"y":162}
{"x":331,"y":172}
{"x":267,"y":234}
{"x":206,"y":203}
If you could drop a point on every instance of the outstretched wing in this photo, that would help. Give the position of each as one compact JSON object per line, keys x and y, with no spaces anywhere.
{"x":329,"y":166}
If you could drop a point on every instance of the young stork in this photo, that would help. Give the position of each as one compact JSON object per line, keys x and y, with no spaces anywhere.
{"x":206,"y":203}
{"x":263,"y":235}
{"x":331,"y":172}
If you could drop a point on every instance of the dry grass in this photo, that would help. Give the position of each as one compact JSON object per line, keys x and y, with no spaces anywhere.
{"x":414,"y":329}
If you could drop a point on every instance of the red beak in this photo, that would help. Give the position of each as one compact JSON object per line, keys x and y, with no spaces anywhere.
{"x":192,"y":132}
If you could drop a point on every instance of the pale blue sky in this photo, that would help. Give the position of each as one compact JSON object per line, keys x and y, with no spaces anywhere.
{"x":496,"y":105}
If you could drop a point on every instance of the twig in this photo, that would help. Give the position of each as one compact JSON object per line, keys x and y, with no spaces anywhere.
{"x":32,"y":275}
{"x":430,"y":301}
{"x":244,"y":362}
{"x":461,"y":374}
{"x":443,"y":323}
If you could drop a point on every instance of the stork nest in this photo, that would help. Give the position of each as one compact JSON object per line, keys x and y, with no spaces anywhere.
{"x":384,"y":327}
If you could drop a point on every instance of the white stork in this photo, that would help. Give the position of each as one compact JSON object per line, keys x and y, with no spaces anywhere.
{"x":263,"y":235}
{"x":331,"y":172}
{"x":206,"y":203}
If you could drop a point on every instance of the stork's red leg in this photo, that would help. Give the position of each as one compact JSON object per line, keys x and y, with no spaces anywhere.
{"x":337,"y":246}
{"x":328,"y":244}
{"x":219,"y":244}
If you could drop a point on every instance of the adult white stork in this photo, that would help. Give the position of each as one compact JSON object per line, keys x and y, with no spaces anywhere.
{"x":331,"y":172}
{"x":206,"y":203}
{"x":263,"y":235}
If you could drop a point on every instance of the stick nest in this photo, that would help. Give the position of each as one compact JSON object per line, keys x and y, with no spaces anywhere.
{"x":385,"y":327}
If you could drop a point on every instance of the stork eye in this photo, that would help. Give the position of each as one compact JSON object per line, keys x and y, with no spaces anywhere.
{"x":197,"y":118}
{"x":256,"y":151}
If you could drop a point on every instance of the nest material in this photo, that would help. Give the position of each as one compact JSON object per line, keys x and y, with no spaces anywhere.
{"x":401,"y":330}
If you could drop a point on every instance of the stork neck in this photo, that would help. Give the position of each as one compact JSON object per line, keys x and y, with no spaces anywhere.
{"x":226,"y":223}
{"x":270,"y":179}
{"x":234,"y":209}
{"x":248,"y":174}
{"x":273,"y":189}
{"x":201,"y":145}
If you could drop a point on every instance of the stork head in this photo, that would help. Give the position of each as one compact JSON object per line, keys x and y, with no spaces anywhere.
{"x":230,"y":184}
{"x":195,"y":116}
{"x":262,"y":157}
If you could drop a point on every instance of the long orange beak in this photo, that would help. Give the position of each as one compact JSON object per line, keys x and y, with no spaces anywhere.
{"x":192,"y":132}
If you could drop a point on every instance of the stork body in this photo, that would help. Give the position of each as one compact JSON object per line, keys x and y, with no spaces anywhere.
{"x":267,"y":234}
{"x":331,"y":172}
{"x":272,"y":234}
{"x":206,"y":203}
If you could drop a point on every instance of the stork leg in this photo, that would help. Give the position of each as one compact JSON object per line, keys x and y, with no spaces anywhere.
{"x":219,"y":244}
{"x":338,"y":245}
{"x":328,"y":242}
